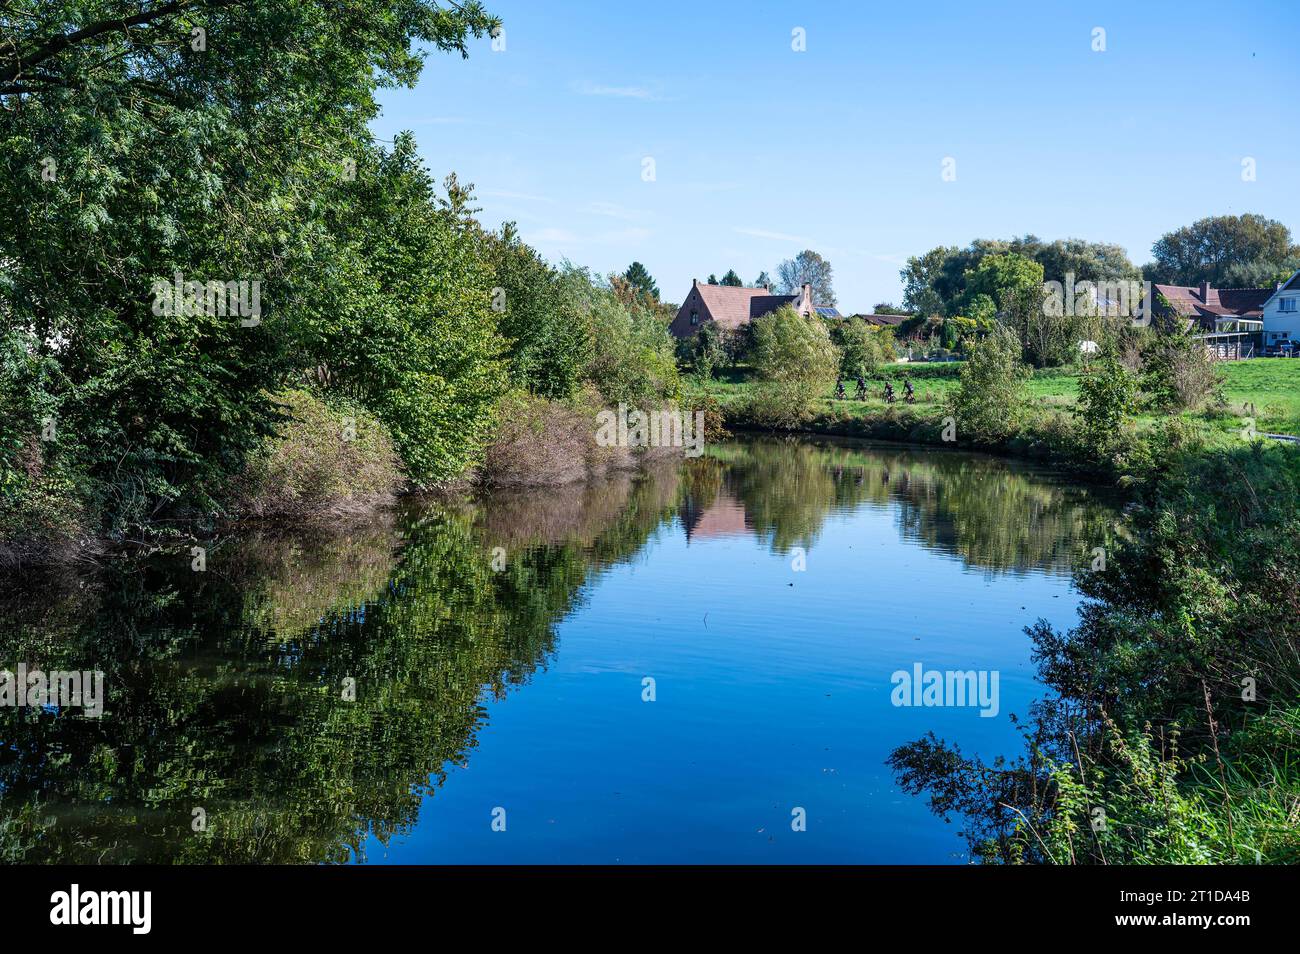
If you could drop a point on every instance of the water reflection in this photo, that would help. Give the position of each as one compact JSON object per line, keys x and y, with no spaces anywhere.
{"x":227,"y":690}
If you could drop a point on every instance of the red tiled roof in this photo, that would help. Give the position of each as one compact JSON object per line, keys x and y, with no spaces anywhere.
{"x":732,"y":307}
{"x":1219,"y":303}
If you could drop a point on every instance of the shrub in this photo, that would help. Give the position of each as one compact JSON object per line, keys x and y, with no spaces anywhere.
{"x":1105,"y":398}
{"x":1178,"y":372}
{"x":326,"y":459}
{"x":539,"y":442}
{"x":795,"y":363}
{"x":989,"y":405}
{"x":863,"y":349}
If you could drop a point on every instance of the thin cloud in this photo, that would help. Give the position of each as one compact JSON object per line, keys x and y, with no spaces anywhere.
{"x":774,"y":236}
{"x":622,"y":92}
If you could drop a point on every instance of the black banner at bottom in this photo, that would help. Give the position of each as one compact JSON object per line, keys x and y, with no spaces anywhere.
{"x":335,"y":904}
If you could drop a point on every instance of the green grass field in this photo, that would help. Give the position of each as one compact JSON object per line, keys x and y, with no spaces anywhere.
{"x":1265,"y":389}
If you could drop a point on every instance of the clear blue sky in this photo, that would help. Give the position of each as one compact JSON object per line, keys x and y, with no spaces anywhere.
{"x":761,"y":151}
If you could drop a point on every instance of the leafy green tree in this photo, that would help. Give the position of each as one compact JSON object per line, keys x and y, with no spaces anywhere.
{"x":863,"y":349}
{"x":546,"y":334}
{"x":764,"y":280}
{"x":713,"y":279}
{"x":732,"y":279}
{"x":639,"y":277}
{"x":998,"y":275}
{"x":1218,"y":247}
{"x":795,"y":364}
{"x":935,"y":282}
{"x":203,"y":137}
{"x":990,"y":402}
{"x":1106,"y":396}
{"x":807,"y":268}
{"x":413,"y":335}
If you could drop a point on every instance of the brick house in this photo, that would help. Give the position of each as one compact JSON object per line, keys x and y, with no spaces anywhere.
{"x":731,"y":308}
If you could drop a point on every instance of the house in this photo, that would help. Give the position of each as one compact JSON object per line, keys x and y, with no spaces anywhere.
{"x":732,"y":308}
{"x":1282,"y":315}
{"x":1228,"y":320}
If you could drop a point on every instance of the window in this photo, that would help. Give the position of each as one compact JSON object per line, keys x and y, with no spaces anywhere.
{"x":1286,"y":304}
{"x":695,"y":317}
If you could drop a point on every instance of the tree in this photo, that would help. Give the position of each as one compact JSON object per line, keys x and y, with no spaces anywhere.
{"x":888,"y":308}
{"x":1105,"y":399}
{"x":862,"y":348}
{"x":764,"y":280}
{"x":990,"y":401}
{"x":795,"y":363}
{"x":639,"y":277}
{"x":131,"y":155}
{"x":935,"y":283}
{"x":807,"y":268}
{"x":713,"y":279}
{"x":732,"y":279}
{"x":998,"y":275}
{"x":547,"y":337}
{"x":1216,"y":248}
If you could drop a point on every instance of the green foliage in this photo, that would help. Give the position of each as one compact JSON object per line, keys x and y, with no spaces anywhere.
{"x":631,"y":356}
{"x":1225,"y":250}
{"x":1178,"y":373}
{"x":863,"y":348}
{"x":548,"y":340}
{"x":732,"y":279}
{"x":411,"y":333}
{"x":638,"y":276}
{"x":935,"y":283}
{"x":128,"y":156}
{"x":1105,"y":399}
{"x":706,"y":350}
{"x":795,"y":362}
{"x":990,"y":402}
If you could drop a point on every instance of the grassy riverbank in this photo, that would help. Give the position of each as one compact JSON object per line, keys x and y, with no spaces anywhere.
{"x":1265,"y":389}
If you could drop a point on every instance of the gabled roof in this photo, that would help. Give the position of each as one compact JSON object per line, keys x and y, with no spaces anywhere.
{"x":1292,"y":284}
{"x":1195,"y":301}
{"x":732,"y":307}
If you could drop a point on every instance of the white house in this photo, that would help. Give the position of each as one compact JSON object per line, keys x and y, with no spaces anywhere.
{"x":1282,"y":314}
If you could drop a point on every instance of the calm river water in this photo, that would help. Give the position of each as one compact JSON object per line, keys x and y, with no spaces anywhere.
{"x":684,"y":665}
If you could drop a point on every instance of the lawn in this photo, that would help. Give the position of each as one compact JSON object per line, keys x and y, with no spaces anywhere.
{"x":1270,"y":385}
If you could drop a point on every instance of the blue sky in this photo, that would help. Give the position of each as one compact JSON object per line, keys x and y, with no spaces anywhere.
{"x":760,"y":151}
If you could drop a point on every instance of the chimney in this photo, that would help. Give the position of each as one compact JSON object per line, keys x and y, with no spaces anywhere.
{"x":694,"y":282}
{"x":1205,"y":292}
{"x":807,"y":295}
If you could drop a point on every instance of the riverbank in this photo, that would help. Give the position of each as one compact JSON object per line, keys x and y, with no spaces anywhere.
{"x":1260,"y":397}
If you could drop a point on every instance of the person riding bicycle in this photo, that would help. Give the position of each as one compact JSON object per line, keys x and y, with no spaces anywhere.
{"x":862,"y":389}
{"x":839,"y":389}
{"x":889,"y":393}
{"x":909,"y":392}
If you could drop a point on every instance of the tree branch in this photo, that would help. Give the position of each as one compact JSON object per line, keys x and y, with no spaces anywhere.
{"x":53,"y":47}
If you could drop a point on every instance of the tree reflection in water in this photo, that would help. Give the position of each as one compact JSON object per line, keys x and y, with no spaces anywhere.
{"x":225,"y":689}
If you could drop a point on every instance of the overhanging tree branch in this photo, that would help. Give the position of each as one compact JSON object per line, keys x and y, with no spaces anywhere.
{"x":22,"y":62}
